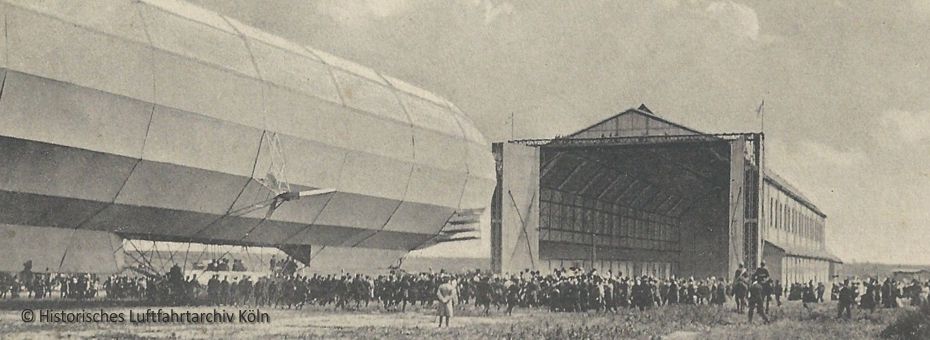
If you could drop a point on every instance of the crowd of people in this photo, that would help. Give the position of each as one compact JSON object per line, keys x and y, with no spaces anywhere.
{"x":42,"y":285}
{"x":563,"y":290}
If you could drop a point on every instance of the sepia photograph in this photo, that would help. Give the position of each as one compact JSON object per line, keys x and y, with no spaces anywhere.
{"x":464,"y":169}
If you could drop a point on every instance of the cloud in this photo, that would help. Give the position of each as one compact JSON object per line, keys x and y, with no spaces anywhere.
{"x":831,"y":155}
{"x":735,"y":18}
{"x":906,"y":126}
{"x":804,"y":162}
{"x":790,"y":155}
{"x":361,"y":12}
{"x":492,"y":10}
{"x":356,"y":12}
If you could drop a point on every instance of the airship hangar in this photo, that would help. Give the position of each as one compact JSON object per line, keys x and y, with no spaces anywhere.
{"x":157,"y":120}
{"x":638,"y":194}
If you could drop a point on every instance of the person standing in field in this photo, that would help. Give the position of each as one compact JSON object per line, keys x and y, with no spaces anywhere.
{"x":447,"y":298}
{"x":847,"y":297}
{"x":756,"y":301}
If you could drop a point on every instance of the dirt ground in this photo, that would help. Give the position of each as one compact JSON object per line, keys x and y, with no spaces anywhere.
{"x":675,"y":322}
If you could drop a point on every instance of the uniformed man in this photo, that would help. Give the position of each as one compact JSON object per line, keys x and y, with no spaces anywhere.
{"x":739,"y":272}
{"x":756,"y":301}
{"x":761,"y":274}
{"x":848,"y":296}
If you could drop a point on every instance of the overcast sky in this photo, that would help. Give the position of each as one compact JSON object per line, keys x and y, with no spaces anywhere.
{"x":846,"y":84}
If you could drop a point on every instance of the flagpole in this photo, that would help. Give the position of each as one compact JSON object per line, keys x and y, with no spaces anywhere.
{"x":511,"y":125}
{"x":761,"y":112}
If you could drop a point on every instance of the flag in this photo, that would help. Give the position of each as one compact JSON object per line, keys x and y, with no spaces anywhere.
{"x":761,"y":108}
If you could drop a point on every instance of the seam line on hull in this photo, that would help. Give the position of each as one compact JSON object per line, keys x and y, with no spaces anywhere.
{"x":345,"y":159}
{"x":413,"y":151}
{"x":3,"y":84}
{"x":241,"y":191}
{"x":391,"y":216}
{"x":115,"y":197}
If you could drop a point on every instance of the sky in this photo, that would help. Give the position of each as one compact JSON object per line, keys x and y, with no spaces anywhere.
{"x":846,"y":84}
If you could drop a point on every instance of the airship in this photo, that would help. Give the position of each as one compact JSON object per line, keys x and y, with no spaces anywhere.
{"x":159,"y":120}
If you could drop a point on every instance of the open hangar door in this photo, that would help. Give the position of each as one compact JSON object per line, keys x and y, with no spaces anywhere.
{"x":515,"y":209}
{"x":646,"y":205}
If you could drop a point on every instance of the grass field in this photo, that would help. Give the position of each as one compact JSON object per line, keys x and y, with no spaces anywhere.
{"x":678,"y":322}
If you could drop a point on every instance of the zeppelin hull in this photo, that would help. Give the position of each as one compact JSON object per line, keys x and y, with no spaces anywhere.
{"x":163,"y":121}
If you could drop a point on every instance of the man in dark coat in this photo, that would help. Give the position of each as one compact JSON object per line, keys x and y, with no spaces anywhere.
{"x":756,"y":300}
{"x":848,"y":296}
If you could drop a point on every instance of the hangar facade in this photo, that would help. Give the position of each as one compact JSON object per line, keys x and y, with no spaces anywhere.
{"x":638,"y":194}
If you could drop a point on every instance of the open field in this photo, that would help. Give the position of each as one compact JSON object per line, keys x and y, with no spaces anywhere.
{"x":677,"y":322}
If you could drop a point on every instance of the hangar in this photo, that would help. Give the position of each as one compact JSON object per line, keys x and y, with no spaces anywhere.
{"x":638,"y":194}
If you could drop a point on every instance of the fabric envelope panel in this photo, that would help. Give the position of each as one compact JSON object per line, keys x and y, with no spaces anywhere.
{"x":115,"y":17}
{"x":254,"y":34}
{"x":349,"y":66}
{"x":480,"y":162}
{"x":356,"y":211}
{"x":4,"y":8}
{"x":156,"y":222}
{"x":441,"y":151}
{"x":395,"y":240}
{"x":379,"y":137}
{"x":435,"y":186}
{"x":189,"y":85}
{"x":192,"y":140}
{"x":47,"y":211}
{"x":428,"y":115}
{"x":188,"y":11}
{"x":88,"y":251}
{"x":215,"y":43}
{"x":59,"y":113}
{"x":305,"y":117}
{"x":93,"y":250}
{"x":477,"y":193}
{"x":419,"y":218}
{"x":413,"y":90}
{"x":304,"y":162}
{"x":375,"y":176}
{"x":54,"y":170}
{"x":78,"y":55}
{"x":178,"y":187}
{"x":294,"y":71}
{"x":368,"y":96}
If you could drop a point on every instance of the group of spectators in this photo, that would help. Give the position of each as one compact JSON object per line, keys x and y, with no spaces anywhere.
{"x":563,"y":290}
{"x":45,"y":285}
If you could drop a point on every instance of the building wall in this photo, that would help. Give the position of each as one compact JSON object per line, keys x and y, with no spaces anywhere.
{"x":802,"y":270}
{"x":773,"y":258}
{"x":791,"y":222}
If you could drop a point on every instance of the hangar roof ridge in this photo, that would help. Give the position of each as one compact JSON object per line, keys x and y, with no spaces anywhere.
{"x":641,"y":110}
{"x":791,"y":190}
